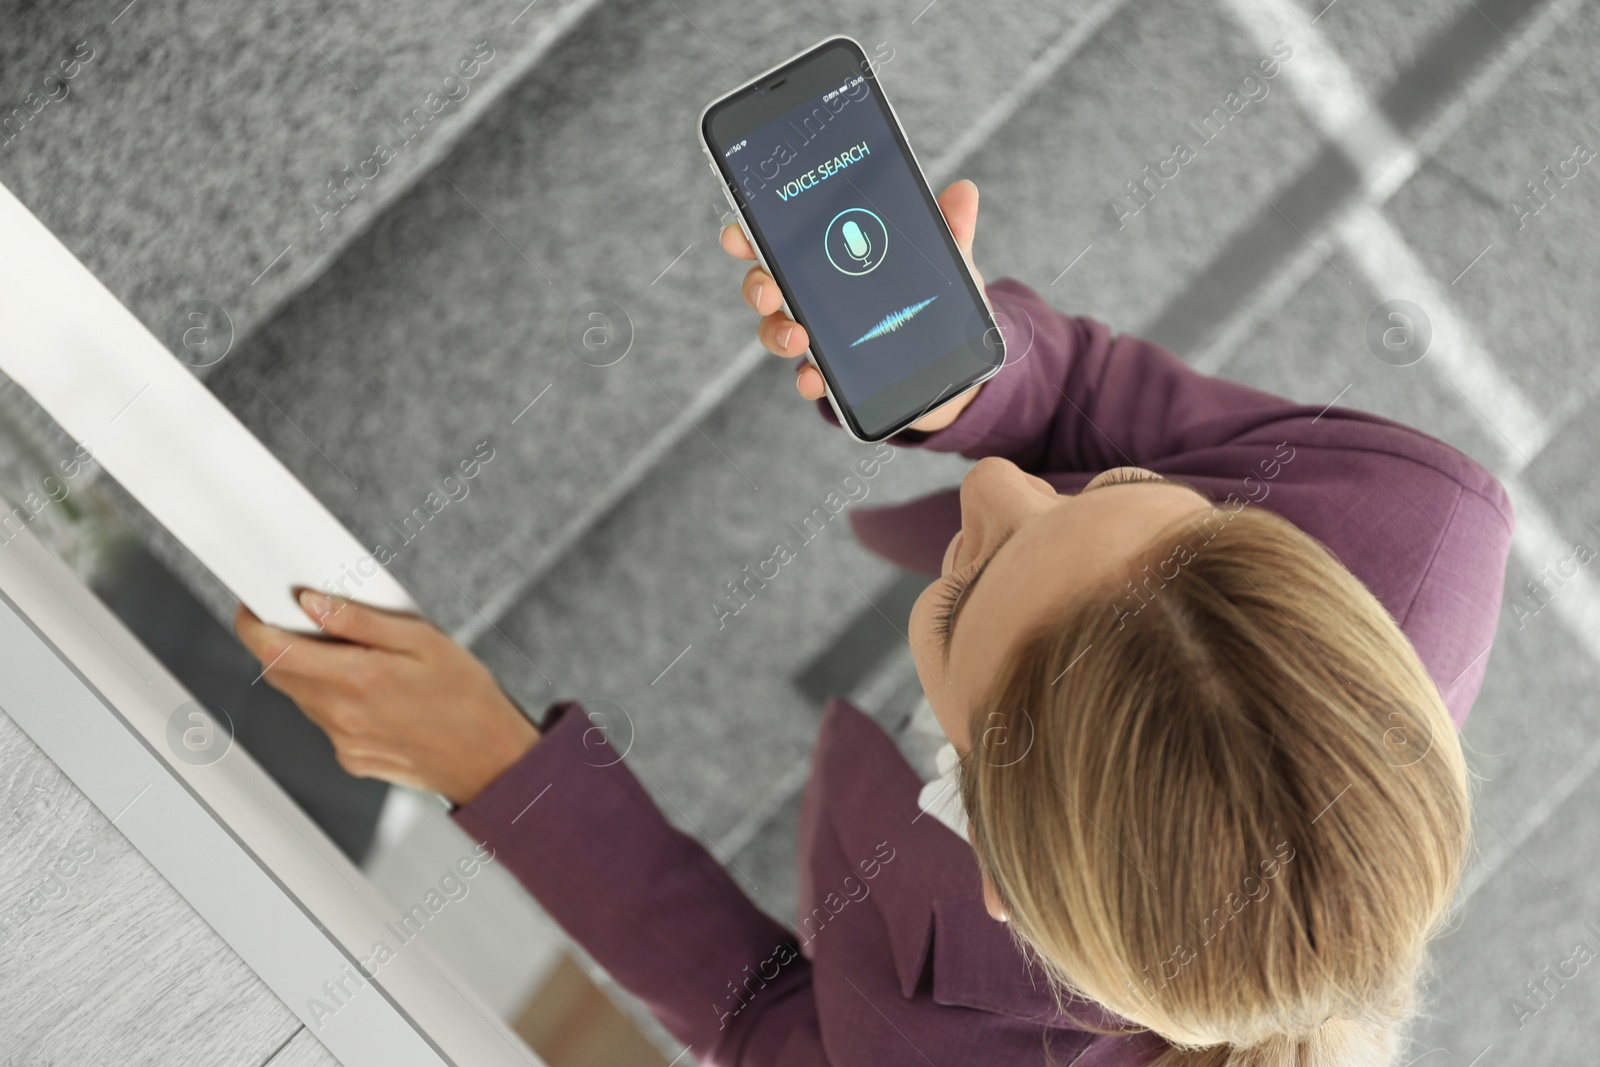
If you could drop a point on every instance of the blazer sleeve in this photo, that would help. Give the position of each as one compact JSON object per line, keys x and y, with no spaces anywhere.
{"x":646,"y":901}
{"x":1074,"y":397}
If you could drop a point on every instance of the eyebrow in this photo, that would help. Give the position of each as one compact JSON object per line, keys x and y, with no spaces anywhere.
{"x":1155,"y":479}
{"x":966,"y":591}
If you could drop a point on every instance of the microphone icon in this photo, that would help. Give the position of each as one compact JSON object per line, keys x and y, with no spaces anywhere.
{"x":855,"y":242}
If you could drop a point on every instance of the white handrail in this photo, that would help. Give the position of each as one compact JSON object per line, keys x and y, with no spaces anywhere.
{"x":159,"y":432}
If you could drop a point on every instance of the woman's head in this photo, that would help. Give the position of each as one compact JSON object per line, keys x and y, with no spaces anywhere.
{"x":1208,"y":780}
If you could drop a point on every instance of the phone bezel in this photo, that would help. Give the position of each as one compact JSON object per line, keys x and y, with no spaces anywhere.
{"x":841,"y":409}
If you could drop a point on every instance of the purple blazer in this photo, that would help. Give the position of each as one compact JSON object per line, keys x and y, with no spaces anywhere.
{"x":893,"y":959}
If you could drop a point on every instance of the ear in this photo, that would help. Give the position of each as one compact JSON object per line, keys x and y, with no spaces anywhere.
{"x":991,"y":902}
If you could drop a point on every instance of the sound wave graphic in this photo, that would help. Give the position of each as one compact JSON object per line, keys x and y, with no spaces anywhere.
{"x":891,"y":323}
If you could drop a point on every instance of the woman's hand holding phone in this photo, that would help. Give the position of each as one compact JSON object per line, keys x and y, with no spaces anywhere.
{"x":782,"y":336}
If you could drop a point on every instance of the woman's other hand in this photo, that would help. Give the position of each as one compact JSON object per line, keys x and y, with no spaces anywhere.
{"x":397,"y":697}
{"x":782,"y":336}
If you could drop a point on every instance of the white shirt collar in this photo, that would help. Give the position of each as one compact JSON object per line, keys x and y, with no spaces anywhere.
{"x":941,"y":797}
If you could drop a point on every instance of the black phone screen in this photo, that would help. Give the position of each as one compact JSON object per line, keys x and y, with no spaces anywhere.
{"x":853,"y":236}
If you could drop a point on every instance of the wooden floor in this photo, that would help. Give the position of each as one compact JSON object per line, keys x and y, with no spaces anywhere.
{"x":101,"y":961}
{"x":572,"y":1023}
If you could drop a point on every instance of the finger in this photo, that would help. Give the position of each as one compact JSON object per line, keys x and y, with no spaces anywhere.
{"x":284,"y":655}
{"x":361,"y":765}
{"x":363,"y":625}
{"x":761,"y":292}
{"x":782,"y":336}
{"x":959,"y":203}
{"x":401,"y":774}
{"x":264,"y":642}
{"x":242,"y":614}
{"x":810,"y":383}
{"x":735,"y":243}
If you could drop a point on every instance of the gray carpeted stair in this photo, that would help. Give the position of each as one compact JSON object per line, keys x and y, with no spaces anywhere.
{"x":196,"y":144}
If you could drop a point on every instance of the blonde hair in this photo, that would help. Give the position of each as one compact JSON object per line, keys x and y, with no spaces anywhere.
{"x":1226,"y":801}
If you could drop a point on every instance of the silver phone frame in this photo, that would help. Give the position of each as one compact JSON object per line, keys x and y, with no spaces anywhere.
{"x":744,"y":226}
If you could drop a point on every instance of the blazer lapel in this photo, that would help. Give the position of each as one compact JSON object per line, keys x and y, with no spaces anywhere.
{"x":929,"y":895}
{"x":867,"y":793}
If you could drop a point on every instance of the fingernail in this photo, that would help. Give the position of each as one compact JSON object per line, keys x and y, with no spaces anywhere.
{"x":783,"y":338}
{"x":316,"y":605}
{"x":755,"y":298}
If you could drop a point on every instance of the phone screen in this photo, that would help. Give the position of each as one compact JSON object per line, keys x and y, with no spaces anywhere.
{"x":852,"y":234}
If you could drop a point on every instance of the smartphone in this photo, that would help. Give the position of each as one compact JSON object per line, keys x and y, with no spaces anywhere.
{"x":826,"y":188}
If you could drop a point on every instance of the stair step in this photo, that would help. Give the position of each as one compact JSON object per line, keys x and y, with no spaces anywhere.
{"x":439,"y":327}
{"x":1382,"y":42}
{"x":1113,"y":222}
{"x":193,"y":148}
{"x":1525,"y":291}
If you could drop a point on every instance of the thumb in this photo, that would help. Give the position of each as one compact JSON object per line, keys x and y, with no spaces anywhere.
{"x":959,"y":203}
{"x":362,"y":625}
